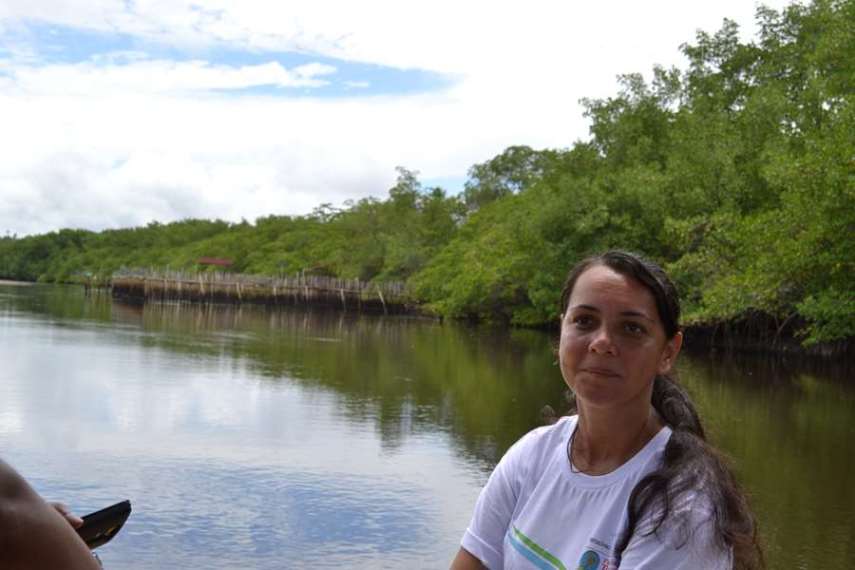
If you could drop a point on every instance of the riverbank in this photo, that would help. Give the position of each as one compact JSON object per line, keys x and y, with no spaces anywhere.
{"x":729,"y":337}
{"x":760,"y":335}
{"x":302,"y":290}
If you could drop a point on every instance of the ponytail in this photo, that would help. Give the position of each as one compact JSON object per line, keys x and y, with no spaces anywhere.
{"x":691,"y":466}
{"x":673,"y":405}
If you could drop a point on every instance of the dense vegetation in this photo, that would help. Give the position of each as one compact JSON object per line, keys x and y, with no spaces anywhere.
{"x":737,"y":173}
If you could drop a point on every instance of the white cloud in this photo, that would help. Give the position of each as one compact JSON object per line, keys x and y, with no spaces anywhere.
{"x":444,"y":35}
{"x":127,"y":139}
{"x":357,"y":84}
{"x":157,"y":76}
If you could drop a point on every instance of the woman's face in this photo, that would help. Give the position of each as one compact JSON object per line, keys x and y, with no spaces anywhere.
{"x":612,"y":341}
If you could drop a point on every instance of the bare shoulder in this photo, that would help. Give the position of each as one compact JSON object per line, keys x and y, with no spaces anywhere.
{"x":32,"y":534}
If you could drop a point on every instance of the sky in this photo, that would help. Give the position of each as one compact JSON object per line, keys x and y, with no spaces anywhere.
{"x":117,"y":113}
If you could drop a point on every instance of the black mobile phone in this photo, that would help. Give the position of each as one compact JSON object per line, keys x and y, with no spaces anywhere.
{"x":100,"y":527}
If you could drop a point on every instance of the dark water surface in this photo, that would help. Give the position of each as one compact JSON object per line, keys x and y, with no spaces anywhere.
{"x":264,"y":439}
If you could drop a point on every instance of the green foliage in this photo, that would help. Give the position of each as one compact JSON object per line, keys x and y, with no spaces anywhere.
{"x":829,"y":314}
{"x":737,"y":173}
{"x":483,"y":271}
{"x":508,"y":173}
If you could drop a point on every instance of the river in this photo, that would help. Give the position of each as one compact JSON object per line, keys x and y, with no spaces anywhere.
{"x":249,"y":438}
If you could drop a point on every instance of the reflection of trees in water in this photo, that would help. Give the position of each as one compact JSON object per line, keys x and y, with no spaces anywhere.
{"x":768,"y":371}
{"x":787,"y":423}
{"x":61,"y":302}
{"x":484,"y":387}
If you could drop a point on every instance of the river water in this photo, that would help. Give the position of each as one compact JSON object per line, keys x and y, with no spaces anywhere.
{"x":249,"y":438}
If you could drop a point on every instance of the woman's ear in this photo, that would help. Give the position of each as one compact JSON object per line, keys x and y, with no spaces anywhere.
{"x":670,"y":352}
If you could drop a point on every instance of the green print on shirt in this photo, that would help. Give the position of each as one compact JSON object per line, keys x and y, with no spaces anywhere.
{"x":542,"y":552}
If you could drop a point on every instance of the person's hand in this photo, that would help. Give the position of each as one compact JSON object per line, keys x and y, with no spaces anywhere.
{"x":66,"y":513}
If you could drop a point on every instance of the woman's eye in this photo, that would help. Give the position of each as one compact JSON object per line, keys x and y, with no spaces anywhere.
{"x":634,"y":328}
{"x":583,"y":321}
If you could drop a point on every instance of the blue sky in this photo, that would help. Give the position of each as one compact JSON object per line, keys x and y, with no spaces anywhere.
{"x":144,"y":111}
{"x":64,"y":45}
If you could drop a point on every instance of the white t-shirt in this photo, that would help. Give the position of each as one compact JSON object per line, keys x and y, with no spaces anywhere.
{"x":536,"y":512}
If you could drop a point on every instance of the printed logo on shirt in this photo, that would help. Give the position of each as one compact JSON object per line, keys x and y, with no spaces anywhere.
{"x":597,"y":557}
{"x":533,"y":552}
{"x":589,"y":561}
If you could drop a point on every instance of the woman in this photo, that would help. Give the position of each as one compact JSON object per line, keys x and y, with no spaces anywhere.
{"x":630,"y":481}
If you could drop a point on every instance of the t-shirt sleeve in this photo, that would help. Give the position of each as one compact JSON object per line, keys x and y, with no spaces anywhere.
{"x":688,"y":544}
{"x":493,"y":511}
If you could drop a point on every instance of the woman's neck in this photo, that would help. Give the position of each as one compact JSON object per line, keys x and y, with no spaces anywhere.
{"x":605,"y":440}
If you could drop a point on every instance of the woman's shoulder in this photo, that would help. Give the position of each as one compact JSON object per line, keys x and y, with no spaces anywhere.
{"x":541,"y":435}
{"x":685,"y":513}
{"x":544,"y":439}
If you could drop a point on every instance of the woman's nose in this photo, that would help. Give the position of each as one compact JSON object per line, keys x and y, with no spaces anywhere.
{"x":602,"y":343}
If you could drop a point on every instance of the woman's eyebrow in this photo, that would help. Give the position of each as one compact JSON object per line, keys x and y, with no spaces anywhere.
{"x":635,"y":314}
{"x":586,"y":307}
{"x":628,"y":313}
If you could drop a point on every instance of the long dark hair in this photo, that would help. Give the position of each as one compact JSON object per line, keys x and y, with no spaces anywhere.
{"x":689,"y":463}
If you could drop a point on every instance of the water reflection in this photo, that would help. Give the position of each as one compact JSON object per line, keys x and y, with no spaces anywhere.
{"x":791,"y":433}
{"x":405,"y":375}
{"x":263,"y":439}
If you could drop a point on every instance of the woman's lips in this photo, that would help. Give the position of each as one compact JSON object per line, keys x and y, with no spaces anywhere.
{"x":600,"y":371}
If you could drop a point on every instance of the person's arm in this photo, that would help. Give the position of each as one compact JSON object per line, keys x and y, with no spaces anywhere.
{"x":482,"y":545}
{"x":465,"y":561}
{"x":33,"y":535}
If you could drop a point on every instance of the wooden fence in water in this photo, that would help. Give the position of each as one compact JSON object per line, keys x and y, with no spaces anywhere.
{"x":302,"y":290}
